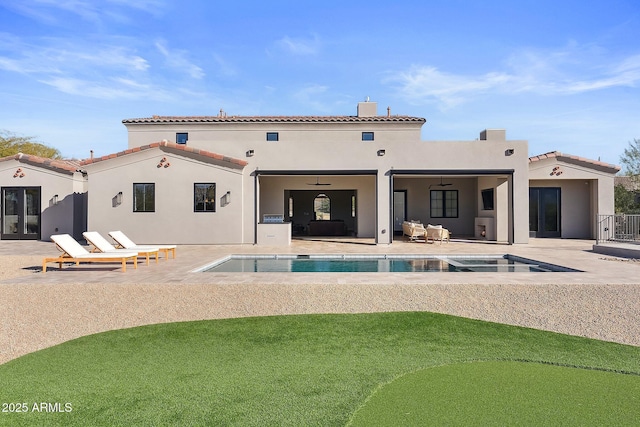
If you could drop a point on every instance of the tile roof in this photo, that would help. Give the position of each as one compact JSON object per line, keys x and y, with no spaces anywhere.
{"x":64,"y":166}
{"x":582,"y":161}
{"x":273,"y":119}
{"x":171,"y":146}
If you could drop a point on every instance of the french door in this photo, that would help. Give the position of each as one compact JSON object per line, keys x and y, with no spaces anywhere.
{"x":20,"y":219}
{"x":399,"y":210}
{"x":544,"y":212}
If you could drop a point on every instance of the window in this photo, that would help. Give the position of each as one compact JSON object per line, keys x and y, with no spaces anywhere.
{"x":204,"y":197}
{"x":272,"y":136}
{"x":181,"y":138}
{"x":487,"y":199}
{"x":367,"y":136}
{"x":144,"y":197}
{"x":444,"y":203}
{"x":322,"y":207}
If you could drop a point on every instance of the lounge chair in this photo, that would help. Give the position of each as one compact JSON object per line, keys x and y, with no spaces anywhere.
{"x":436,"y":232}
{"x":72,"y":251}
{"x":124,"y":242}
{"x":413,"y":230}
{"x":101,"y":244}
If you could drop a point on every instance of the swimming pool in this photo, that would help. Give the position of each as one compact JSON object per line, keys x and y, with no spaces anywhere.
{"x":378,"y":264}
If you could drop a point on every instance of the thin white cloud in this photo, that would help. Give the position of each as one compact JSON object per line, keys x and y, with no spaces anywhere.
{"x":299,"y":46}
{"x":110,"y":89}
{"x":177,"y":59}
{"x":54,"y":12}
{"x":562,"y":72}
{"x":313,"y":96}
{"x":225,"y":68}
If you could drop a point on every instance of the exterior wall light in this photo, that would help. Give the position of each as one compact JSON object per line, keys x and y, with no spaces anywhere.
{"x":117,"y":200}
{"x":250,"y":153}
{"x":54,"y":200}
{"x":509,"y":152}
{"x":227,"y":198}
{"x":381,"y":152}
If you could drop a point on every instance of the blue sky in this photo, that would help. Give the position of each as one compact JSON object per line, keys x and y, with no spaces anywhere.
{"x":564,"y":75}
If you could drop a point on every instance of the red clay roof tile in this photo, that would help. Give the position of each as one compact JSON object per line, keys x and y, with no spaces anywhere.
{"x":272,"y":119}
{"x":170,"y":145}
{"x":596,"y":164}
{"x":64,"y":165}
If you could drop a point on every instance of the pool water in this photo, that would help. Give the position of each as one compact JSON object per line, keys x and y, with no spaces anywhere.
{"x":378,"y":264}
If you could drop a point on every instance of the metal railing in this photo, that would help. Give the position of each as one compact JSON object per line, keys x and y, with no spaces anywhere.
{"x":618,"y":228}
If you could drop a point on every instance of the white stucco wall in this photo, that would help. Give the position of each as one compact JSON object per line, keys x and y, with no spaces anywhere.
{"x":174,"y":220}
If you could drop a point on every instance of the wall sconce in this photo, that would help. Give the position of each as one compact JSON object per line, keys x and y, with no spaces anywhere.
{"x":250,"y":153}
{"x":509,"y":152}
{"x":54,"y":200}
{"x":117,"y":199}
{"x":381,"y":152}
{"x":226,"y":199}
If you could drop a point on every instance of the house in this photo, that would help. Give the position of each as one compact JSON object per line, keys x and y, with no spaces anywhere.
{"x":41,"y":197}
{"x":229,"y":179}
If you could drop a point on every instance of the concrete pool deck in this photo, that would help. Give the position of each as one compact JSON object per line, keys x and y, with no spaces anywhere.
{"x":39,"y":310}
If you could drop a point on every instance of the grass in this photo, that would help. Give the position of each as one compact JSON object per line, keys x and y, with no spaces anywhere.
{"x":505,"y":393}
{"x":285,"y":370}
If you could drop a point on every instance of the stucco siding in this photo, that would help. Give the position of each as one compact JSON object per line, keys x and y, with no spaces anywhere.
{"x":68,"y":215}
{"x":174,"y":220}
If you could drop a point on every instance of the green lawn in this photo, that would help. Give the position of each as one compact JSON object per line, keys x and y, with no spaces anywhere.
{"x":286,"y":370}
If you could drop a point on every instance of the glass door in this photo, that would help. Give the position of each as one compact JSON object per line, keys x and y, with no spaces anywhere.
{"x":544,"y":212}
{"x":20,"y":219}
{"x":399,"y":210}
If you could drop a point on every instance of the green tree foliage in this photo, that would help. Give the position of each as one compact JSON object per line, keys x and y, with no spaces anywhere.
{"x":11,"y":144}
{"x":625,"y":201}
{"x":631,"y":158}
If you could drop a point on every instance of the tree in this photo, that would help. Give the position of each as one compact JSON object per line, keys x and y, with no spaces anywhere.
{"x":626,"y":201}
{"x":631,"y":158}
{"x":11,"y":144}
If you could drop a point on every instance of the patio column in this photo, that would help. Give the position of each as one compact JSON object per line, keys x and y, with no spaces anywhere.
{"x":384,"y":197}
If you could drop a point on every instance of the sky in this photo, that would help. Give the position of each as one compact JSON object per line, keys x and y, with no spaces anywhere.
{"x":564,"y":75}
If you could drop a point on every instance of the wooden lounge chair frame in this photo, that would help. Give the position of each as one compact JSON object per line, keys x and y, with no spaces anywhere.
{"x":121,"y":257}
{"x":102,"y":245}
{"x":123,"y":242}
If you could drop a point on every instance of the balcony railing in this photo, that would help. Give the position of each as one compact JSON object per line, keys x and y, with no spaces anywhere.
{"x":618,"y":228}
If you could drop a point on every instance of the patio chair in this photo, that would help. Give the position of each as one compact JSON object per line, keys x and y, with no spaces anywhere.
{"x":122,"y":241}
{"x":72,"y":251}
{"x":101,"y":244}
{"x":413,"y":230}
{"x":436,"y":232}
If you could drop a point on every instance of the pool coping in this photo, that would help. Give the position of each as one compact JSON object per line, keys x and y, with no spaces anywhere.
{"x":551,"y":267}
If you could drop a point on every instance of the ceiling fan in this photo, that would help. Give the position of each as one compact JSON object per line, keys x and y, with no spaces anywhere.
{"x":318,"y":182}
{"x":442,"y":184}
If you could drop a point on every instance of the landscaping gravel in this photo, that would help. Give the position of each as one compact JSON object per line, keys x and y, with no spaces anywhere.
{"x":34,"y":315}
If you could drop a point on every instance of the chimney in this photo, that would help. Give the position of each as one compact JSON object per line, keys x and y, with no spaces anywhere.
{"x":367,"y":109}
{"x":493,"y":135}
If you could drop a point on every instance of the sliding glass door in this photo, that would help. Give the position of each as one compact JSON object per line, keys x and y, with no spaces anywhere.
{"x":544,"y":212}
{"x":20,"y":213}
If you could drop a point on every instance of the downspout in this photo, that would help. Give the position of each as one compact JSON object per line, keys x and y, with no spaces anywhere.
{"x":255,"y":207}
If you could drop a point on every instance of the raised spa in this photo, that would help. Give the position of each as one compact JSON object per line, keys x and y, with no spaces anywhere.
{"x":378,"y":264}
